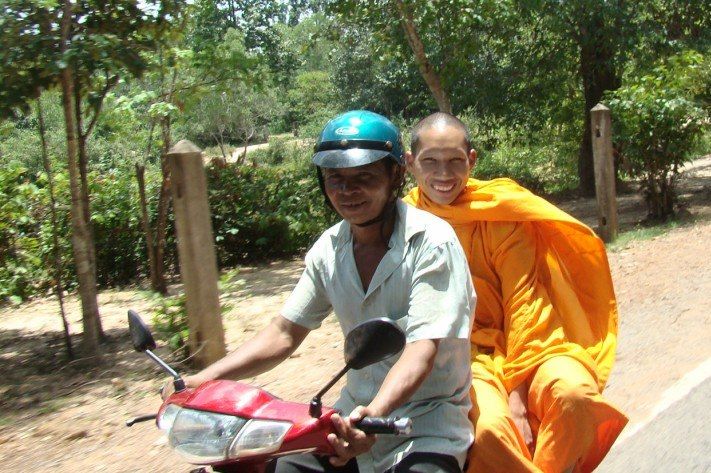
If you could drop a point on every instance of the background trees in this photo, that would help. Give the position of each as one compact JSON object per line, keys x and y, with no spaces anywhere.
{"x":84,"y":49}
{"x":136,"y":76}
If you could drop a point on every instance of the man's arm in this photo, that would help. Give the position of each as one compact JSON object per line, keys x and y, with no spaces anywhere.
{"x":269,"y":347}
{"x":404,"y":378}
{"x":401,"y":382}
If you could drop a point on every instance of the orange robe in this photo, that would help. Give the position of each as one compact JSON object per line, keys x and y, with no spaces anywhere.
{"x":546,"y":315}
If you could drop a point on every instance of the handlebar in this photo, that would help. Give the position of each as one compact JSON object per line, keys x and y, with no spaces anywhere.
{"x":385,"y":425}
{"x":143,"y":418}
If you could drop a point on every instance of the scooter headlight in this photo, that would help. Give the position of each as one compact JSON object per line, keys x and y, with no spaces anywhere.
{"x":167,"y":417}
{"x":204,"y":437}
{"x":259,"y":437}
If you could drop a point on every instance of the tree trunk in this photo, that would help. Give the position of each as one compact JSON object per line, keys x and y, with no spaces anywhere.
{"x":163,"y":207}
{"x":429,"y":74}
{"x":146,"y":224}
{"x":58,"y":264}
{"x":81,"y":239}
{"x":86,"y":202}
{"x":598,"y":75}
{"x":83,"y":170}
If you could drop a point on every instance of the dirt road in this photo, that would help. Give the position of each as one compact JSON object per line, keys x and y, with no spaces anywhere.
{"x":69,"y":417}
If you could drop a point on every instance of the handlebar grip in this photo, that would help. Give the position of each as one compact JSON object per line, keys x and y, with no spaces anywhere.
{"x":385,"y":425}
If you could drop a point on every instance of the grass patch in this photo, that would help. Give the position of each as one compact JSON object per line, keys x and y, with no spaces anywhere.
{"x":53,"y":405}
{"x":642,"y":233}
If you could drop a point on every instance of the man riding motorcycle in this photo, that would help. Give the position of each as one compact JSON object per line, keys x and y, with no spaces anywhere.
{"x":383,"y":259}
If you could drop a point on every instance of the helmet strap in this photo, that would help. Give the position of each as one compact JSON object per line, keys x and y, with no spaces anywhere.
{"x":387,"y":211}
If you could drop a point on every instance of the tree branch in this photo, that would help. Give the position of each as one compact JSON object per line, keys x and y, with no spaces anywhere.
{"x":429,"y":74}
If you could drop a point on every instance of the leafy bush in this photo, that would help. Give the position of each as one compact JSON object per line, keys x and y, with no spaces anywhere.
{"x":541,"y":168}
{"x":264,"y":212}
{"x":118,"y":234}
{"x":170,"y":321}
{"x":21,"y":210}
{"x":258,"y":213}
{"x":658,"y":119}
{"x":279,"y":151}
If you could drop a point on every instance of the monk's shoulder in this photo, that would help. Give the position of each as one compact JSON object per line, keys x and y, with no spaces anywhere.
{"x":499,"y":232}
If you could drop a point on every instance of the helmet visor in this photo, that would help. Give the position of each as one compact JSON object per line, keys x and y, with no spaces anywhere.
{"x":347,"y":158}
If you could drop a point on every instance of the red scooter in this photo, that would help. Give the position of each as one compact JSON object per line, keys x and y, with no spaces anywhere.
{"x":235,"y":427}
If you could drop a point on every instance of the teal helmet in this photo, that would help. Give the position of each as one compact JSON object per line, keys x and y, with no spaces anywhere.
{"x":357,"y":138}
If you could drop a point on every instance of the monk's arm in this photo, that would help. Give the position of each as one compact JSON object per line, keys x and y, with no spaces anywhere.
{"x":531,"y":325}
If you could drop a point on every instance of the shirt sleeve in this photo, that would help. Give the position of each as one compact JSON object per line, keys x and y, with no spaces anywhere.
{"x":442,"y":297}
{"x":308,"y":303}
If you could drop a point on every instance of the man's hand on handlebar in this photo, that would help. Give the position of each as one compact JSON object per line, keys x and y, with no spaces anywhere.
{"x":349,"y":441}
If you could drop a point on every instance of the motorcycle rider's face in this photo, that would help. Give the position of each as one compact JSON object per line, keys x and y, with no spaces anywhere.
{"x":359,"y":194}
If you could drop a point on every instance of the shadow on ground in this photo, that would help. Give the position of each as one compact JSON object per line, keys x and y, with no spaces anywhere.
{"x":694,"y":202}
{"x":36,"y":374}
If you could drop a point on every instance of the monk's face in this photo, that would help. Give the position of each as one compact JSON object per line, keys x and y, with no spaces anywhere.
{"x":442,"y":163}
{"x":360,"y":194}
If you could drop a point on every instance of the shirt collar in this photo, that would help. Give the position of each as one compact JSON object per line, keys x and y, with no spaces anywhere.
{"x":406,"y":227}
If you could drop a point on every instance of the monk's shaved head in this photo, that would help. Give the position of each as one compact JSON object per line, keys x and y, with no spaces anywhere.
{"x":439,"y":120}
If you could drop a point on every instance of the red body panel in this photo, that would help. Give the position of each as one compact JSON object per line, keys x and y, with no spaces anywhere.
{"x":238,"y":399}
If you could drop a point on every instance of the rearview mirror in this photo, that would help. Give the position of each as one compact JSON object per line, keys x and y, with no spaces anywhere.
{"x":141,"y":337}
{"x":372,"y":341}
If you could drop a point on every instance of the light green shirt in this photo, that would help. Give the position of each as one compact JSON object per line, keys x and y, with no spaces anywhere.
{"x":423,"y":284}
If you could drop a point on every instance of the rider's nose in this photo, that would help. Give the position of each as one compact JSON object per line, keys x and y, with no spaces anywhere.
{"x":346,"y":188}
{"x":443,"y":170}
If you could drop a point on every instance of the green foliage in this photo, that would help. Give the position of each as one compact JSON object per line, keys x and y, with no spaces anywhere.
{"x":170,"y":323}
{"x":658,"y":121}
{"x":258,"y":213}
{"x":120,"y":253}
{"x":312,"y":102}
{"x":20,"y":141}
{"x":26,"y":233}
{"x":281,"y":149}
{"x":20,"y":212}
{"x":103,"y":44}
{"x":239,"y":115}
{"x":542,"y":168}
{"x":265,"y":212}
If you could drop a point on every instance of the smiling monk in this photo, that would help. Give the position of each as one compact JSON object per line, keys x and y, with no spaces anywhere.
{"x":545,"y":327}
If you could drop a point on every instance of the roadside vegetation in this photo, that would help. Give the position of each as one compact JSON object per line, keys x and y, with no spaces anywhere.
{"x":91,"y":101}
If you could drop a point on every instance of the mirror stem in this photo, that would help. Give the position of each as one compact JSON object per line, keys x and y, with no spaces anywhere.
{"x":178,"y":382}
{"x":315,"y":404}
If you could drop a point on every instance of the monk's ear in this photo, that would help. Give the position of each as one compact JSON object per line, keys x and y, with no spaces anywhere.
{"x":409,"y":159}
{"x":472,"y":157}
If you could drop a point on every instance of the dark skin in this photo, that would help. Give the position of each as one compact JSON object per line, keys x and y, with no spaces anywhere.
{"x":358,"y":195}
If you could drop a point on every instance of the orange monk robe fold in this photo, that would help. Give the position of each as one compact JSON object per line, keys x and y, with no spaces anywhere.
{"x":544,"y":296}
{"x":576,"y":278}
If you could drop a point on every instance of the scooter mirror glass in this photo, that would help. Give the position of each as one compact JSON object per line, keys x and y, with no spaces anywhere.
{"x":140,"y":334}
{"x":372,"y":341}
